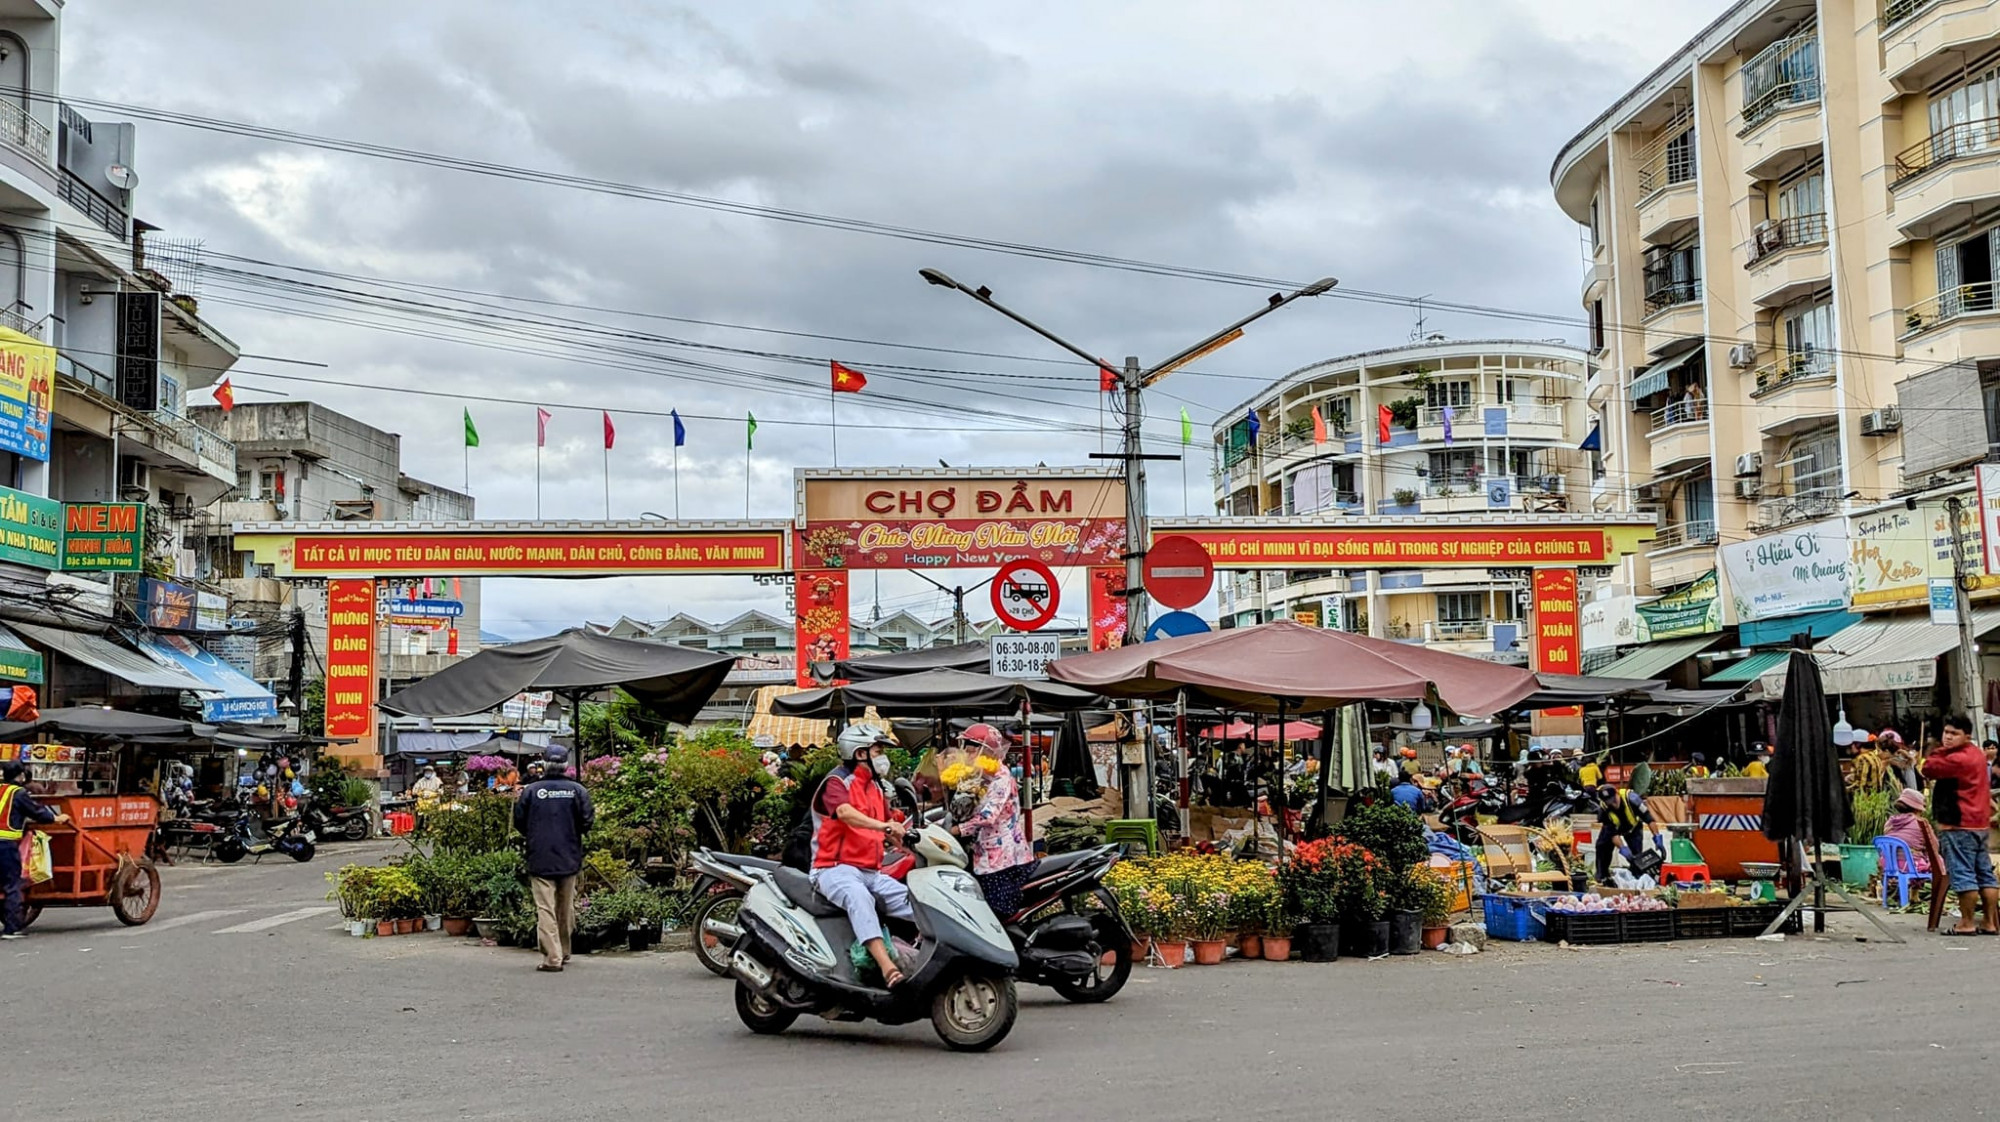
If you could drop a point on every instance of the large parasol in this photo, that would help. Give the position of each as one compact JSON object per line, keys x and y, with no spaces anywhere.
{"x":670,"y":681}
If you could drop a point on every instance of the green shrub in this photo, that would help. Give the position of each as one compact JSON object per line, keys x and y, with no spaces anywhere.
{"x":1394,"y":834}
{"x":479,"y":824}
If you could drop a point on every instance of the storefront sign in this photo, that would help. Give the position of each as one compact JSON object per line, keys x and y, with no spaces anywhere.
{"x":211,"y":611}
{"x":1107,"y":607}
{"x":30,"y":529}
{"x":239,"y":651}
{"x":1558,"y":629}
{"x":1893,"y":554}
{"x":823,"y":621}
{"x":1944,"y":601}
{"x":1418,"y":546}
{"x":898,"y":520}
{"x":27,"y":392}
{"x":1612,"y":621}
{"x":426,"y":609}
{"x":1694,"y":610}
{"x":103,"y":537}
{"x":19,"y":664}
{"x":1793,"y":573}
{"x":350,"y":659}
{"x":167,"y":604}
{"x":521,"y":553}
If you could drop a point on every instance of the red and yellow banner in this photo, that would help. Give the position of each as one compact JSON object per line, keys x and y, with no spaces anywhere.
{"x":350,"y":662}
{"x":1558,"y":629}
{"x":822,"y":625}
{"x":959,"y":542}
{"x":1107,"y":607}
{"x":597,"y":553}
{"x":1416,"y":547}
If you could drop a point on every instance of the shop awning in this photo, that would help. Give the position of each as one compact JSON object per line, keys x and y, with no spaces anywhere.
{"x":1651,"y":660}
{"x":1779,"y":632}
{"x":18,"y":662}
{"x":229,"y":694}
{"x":1655,"y":380}
{"x":1885,"y":653}
{"x":1750,"y":669}
{"x":126,"y":665}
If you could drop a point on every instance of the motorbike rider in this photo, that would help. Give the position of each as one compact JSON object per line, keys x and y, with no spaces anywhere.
{"x":849,"y":819}
{"x":1002,"y":859}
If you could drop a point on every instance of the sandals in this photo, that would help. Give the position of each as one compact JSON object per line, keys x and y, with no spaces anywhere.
{"x":893,"y":978}
{"x":1954,"y":933}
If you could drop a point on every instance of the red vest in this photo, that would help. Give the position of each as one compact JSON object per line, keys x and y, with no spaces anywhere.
{"x":837,"y":843}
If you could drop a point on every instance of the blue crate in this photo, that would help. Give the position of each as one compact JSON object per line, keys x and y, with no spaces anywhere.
{"x":1514,"y":918}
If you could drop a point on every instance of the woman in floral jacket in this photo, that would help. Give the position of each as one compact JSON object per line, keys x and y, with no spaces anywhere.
{"x":1002,"y":859}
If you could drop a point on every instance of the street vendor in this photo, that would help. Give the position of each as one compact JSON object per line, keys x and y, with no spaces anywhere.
{"x":1908,"y":824}
{"x":1760,"y":761}
{"x":428,"y":787}
{"x":1697,"y":766}
{"x":1620,"y":816}
{"x":17,"y":809}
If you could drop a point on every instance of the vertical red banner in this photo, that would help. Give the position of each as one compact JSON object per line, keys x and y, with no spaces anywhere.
{"x":350,"y":662}
{"x":1558,"y":629}
{"x":822,"y":625}
{"x":1107,"y":607}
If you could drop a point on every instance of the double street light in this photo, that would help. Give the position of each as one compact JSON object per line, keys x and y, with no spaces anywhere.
{"x":1132,"y":379}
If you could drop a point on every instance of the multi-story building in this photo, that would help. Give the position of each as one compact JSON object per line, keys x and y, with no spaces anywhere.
{"x":1474,"y":426}
{"x":298,"y":461}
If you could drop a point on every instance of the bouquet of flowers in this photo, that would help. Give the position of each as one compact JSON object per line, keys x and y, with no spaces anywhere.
{"x":966,"y":774}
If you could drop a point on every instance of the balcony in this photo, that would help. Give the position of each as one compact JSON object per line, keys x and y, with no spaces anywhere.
{"x":1924,"y":41}
{"x":1523,"y":421}
{"x":1683,"y":535}
{"x":1682,"y":551}
{"x":1790,"y":510}
{"x":214,"y":454}
{"x":1673,"y":313}
{"x":1679,"y":435}
{"x":1668,"y":213}
{"x":1941,"y":180}
{"x":1960,"y":325}
{"x":1789,"y":260}
{"x":22,"y":132}
{"x":71,"y":189}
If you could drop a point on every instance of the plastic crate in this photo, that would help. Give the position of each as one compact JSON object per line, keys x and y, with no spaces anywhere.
{"x":1648,"y":927}
{"x":1701,"y":923}
{"x":1752,"y":919}
{"x":1583,"y":929}
{"x":1514,"y":918}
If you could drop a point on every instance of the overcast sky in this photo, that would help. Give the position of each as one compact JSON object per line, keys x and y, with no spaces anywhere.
{"x":1403,"y":148}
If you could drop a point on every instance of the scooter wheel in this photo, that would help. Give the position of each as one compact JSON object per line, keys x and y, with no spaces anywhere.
{"x":760,"y":1014}
{"x":303,"y":851}
{"x":712,"y":950}
{"x":228,"y":850}
{"x":356,"y":829}
{"x":974,"y":1011}
{"x":1105,"y":981}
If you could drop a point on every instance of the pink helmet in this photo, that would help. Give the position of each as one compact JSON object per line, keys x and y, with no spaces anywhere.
{"x":986,"y":737}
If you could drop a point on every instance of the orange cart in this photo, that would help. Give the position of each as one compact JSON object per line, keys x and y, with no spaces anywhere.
{"x":99,"y":857}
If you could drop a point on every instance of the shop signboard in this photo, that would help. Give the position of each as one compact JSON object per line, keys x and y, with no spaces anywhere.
{"x":1694,"y":610}
{"x":1558,"y":630}
{"x":19,"y":664}
{"x":1610,"y":621}
{"x":239,"y":651}
{"x":688,"y":548}
{"x":426,"y":609}
{"x":30,"y":529}
{"x":350,"y":660}
{"x":877,"y":519}
{"x":211,"y":611}
{"x":27,"y":394}
{"x":1989,"y":515}
{"x":1418,"y":546}
{"x":823,"y":622}
{"x":167,"y":604}
{"x":1894,"y":553}
{"x":103,"y":537}
{"x":1794,"y":573}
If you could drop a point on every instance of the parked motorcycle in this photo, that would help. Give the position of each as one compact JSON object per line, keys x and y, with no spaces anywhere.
{"x":1083,"y":953}
{"x":792,"y":956}
{"x":349,"y":822}
{"x":243,"y":834}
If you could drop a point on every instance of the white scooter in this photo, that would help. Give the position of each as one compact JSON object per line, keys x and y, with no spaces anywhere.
{"x":793,"y":954}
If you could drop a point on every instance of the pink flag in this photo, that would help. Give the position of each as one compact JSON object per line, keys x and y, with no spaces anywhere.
{"x":610,"y":433}
{"x":541,"y":427}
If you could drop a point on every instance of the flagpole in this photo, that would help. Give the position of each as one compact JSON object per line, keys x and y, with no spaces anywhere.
{"x":833,"y":407}
{"x":607,"y":482}
{"x":538,"y":479}
{"x":677,"y":482}
{"x":746,"y":482}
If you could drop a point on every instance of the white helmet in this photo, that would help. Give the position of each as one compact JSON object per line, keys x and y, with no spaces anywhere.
{"x":853,"y":739}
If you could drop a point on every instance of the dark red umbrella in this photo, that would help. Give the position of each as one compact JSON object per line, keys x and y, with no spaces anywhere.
{"x":1312,"y":669}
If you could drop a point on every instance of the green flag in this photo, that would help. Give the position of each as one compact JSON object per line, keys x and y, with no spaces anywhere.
{"x":750,"y":437}
{"x":1187,"y":427}
{"x":471,"y":433}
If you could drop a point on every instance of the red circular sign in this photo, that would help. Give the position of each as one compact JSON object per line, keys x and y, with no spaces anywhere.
{"x":1178,"y":571}
{"x":1025,"y":595}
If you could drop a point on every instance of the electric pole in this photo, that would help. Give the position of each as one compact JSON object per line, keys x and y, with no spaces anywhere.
{"x":1971,"y":684}
{"x":1136,"y":532}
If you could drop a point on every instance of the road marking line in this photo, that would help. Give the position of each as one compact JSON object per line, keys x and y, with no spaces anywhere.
{"x":182,"y":921}
{"x":272,"y":921}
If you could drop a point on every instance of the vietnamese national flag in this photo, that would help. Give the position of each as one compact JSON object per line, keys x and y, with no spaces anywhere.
{"x":846,"y":379}
{"x":1382,"y":419}
{"x":1319,"y":427}
{"x":225,"y":395}
{"x":610,"y":433}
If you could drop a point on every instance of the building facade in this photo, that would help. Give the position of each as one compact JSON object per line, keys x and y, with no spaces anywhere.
{"x":1428,"y":431}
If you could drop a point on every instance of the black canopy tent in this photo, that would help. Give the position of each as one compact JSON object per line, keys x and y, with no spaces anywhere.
{"x":108,"y":724}
{"x":972,"y":657}
{"x":671,"y":681}
{"x":933,"y":691}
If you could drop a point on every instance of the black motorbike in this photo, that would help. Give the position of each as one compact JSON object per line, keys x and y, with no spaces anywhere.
{"x":1082,"y":952}
{"x":351,"y":823}
{"x":243,"y":834}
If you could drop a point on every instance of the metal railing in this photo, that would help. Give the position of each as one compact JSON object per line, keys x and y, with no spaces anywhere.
{"x":1681,"y":534}
{"x":1460,"y":630}
{"x":1338,"y":500}
{"x":1686,"y":411}
{"x":1672,"y":295}
{"x":74,"y":191}
{"x":23,"y":131}
{"x":1777,"y":375}
{"x":1459,"y":485}
{"x":1955,"y":142}
{"x":1664,"y":163}
{"x":12,"y":319}
{"x":1964,"y":300}
{"x":1784,"y":510}
{"x":1785,"y":95}
{"x":87,"y":375}
{"x":1900,"y":12}
{"x":207,"y":447}
{"x":1786,"y":233}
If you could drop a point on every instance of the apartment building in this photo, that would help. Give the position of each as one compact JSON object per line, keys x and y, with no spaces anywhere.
{"x":1473,"y":426}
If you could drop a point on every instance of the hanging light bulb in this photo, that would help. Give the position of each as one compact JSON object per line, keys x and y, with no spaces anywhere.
{"x":1843,"y":733}
{"x":1420,"y":717}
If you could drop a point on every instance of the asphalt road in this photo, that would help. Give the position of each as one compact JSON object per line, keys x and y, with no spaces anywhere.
{"x":243,"y":1000}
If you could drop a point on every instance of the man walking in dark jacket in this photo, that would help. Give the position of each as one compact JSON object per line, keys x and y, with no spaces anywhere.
{"x":553,"y":813}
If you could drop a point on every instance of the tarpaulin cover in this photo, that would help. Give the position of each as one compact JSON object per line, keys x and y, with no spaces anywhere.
{"x":109,"y":723}
{"x":972,"y":657}
{"x":932,"y":690}
{"x":673,"y":682}
{"x":1268,"y":734}
{"x":1312,"y":668}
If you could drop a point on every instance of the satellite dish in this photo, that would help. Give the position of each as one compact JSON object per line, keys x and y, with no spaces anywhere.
{"x":122,"y":177}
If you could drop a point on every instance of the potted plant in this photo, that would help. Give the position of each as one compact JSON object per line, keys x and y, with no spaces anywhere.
{"x":1253,"y":888}
{"x":354,"y":891}
{"x":1315,"y":887}
{"x":1434,"y":899}
{"x":399,"y":900}
{"x":1279,"y":923}
{"x":1404,"y":898}
{"x":1405,"y":496}
{"x":1859,"y":859}
{"x":1207,"y":902}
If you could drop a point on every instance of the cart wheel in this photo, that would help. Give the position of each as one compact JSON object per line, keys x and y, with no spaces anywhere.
{"x":135,"y":893}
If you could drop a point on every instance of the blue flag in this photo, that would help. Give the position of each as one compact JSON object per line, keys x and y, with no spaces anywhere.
{"x":680,"y":430}
{"x":1592,"y":443}
{"x":1254,"y":425}
{"x":1447,"y":424}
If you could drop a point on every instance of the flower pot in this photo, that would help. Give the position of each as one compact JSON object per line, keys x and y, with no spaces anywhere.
{"x":1277,"y":948}
{"x":385,"y":927}
{"x":1173,"y":952}
{"x":1858,"y":863}
{"x":1250,"y":946}
{"x":638,"y":938}
{"x":1142,"y":948}
{"x":1406,"y":933}
{"x":1434,"y":937}
{"x":1380,"y":942}
{"x":433,"y":922}
{"x":1318,"y":942}
{"x":1209,"y":952}
{"x":358,"y":927}
{"x":457,"y":925}
{"x":488,"y":928}
{"x":408,"y":926}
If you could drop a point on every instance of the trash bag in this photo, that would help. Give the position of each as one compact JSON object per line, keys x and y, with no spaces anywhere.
{"x":41,"y":864}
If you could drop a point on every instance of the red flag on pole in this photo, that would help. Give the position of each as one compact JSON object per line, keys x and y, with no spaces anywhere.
{"x":846,"y":379}
{"x":1107,"y":381}
{"x":610,"y":434}
{"x":1382,"y":418}
{"x":1319,"y":427}
{"x":225,"y":395}
{"x":542,"y":426}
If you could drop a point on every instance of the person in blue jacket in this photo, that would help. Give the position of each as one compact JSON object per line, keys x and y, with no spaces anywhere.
{"x":17,"y":810}
{"x":1408,"y":795}
{"x":553,"y":813}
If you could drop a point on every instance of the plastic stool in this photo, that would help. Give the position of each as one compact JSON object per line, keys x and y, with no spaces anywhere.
{"x":1124,"y":831}
{"x":1675,"y":872}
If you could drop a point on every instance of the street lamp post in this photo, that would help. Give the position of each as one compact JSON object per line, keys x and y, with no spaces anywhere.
{"x":1132,"y":379}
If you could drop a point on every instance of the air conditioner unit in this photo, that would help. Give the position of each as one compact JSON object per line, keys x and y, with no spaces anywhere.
{"x":1647,"y":492}
{"x":1881,"y":422}
{"x":1555,"y":484}
{"x":1749,"y":488}
{"x":134,"y":473}
{"x":1750,"y":463}
{"x":1743,"y":356}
